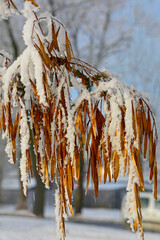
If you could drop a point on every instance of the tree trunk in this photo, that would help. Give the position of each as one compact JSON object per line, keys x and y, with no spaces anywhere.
{"x":22,"y":200}
{"x":79,"y":192}
{"x":1,"y":177}
{"x":39,"y":201}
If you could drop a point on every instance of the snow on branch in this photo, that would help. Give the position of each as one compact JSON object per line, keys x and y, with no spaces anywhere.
{"x":111,"y":122}
{"x":7,"y":8}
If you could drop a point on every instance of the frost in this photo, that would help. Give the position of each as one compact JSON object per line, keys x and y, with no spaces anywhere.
{"x":8,"y":150}
{"x":24,"y":131}
{"x":29,"y":9}
{"x":41,"y":144}
{"x":5,"y":10}
{"x":38,"y":75}
{"x":11,"y":71}
{"x":58,"y":216}
{"x":24,"y":143}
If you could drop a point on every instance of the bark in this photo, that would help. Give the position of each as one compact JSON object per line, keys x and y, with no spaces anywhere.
{"x":1,"y":177}
{"x":22,"y":200}
{"x":79,"y":192}
{"x":39,"y":201}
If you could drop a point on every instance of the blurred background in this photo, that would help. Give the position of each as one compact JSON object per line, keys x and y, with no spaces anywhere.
{"x":119,"y":35}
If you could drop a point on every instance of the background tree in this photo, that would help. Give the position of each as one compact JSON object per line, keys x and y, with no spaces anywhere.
{"x":143,"y":59}
{"x":95,"y":40}
{"x":2,"y":163}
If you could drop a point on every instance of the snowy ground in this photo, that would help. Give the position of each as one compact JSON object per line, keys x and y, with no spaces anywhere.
{"x":20,"y":225}
{"x":27,"y":228}
{"x":99,"y":215}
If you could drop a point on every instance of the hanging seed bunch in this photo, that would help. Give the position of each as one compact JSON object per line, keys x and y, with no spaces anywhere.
{"x":109,"y":125}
